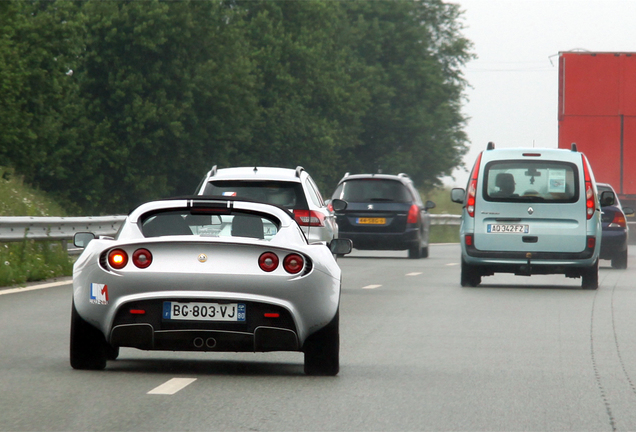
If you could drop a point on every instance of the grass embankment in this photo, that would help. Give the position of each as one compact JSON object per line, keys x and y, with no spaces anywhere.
{"x":443,"y":205}
{"x":27,"y":260}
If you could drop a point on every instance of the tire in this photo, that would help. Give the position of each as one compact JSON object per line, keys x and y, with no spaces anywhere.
{"x":89,"y":349}
{"x":470,"y":277}
{"x":620,"y":260}
{"x":589,"y":277}
{"x":415,"y":252}
{"x":322,"y":350}
{"x":425,"y":252}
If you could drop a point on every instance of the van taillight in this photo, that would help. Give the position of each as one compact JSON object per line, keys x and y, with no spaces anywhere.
{"x":590,"y":197}
{"x":471,"y":195}
{"x":591,"y":242}
{"x":413,"y":216}
{"x":309,"y":218}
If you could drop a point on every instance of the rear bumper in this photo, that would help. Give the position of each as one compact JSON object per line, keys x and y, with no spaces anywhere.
{"x":383,"y":241}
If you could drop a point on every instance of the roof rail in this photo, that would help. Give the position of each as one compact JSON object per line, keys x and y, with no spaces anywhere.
{"x":299,"y":169}
{"x":573,"y":147}
{"x":213,"y":171}
{"x":490,"y":146}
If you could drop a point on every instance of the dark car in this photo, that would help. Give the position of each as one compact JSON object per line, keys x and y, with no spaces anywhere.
{"x":615,"y":231}
{"x":384,"y":212}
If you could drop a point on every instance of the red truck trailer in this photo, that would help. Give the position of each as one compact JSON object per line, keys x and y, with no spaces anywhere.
{"x":597,"y":111}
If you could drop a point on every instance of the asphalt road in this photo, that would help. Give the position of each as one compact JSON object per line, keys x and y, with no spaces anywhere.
{"x":418,"y":352}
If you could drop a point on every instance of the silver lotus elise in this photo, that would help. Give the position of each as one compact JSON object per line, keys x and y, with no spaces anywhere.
{"x":207,"y":274}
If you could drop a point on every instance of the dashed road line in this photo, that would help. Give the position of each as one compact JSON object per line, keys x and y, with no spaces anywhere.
{"x":371,"y":286}
{"x":172,"y":386}
{"x":414,"y":274}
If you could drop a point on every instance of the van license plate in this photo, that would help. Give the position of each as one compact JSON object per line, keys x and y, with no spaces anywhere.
{"x":508,"y":228}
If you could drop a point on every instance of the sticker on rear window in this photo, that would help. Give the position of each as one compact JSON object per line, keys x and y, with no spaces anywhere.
{"x":556,"y":181}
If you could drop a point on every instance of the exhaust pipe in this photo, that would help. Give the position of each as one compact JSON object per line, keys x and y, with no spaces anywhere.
{"x":198,"y":342}
{"x":210,"y":342}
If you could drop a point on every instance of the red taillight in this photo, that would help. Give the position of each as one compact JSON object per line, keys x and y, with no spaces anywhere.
{"x":117,"y":258}
{"x":471,"y":195}
{"x":590,"y":197}
{"x":268,"y":261}
{"x":309,"y":218}
{"x":137,"y":312}
{"x":293,"y":263}
{"x":414,"y":213}
{"x":142,"y":258}
{"x":330,"y":207}
{"x":468,"y":239}
{"x":271,"y":315}
{"x":591,"y":242}
{"x":618,"y":221}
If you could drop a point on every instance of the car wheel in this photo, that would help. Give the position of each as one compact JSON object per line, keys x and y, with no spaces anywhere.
{"x":415,"y":252}
{"x":425,"y":252}
{"x":589,"y":277}
{"x":620,"y":261}
{"x":322,"y":350}
{"x":88,"y":346}
{"x":470,"y":277}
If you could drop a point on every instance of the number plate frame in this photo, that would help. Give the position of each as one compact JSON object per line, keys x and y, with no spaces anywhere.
{"x":204,"y":311}
{"x":508,"y":228}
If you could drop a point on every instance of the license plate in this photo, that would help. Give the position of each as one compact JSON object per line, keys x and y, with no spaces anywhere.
{"x":508,"y":228}
{"x":233,"y":312}
{"x":371,"y":221}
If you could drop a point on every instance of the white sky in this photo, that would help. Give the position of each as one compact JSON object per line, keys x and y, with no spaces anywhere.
{"x":514,"y":80}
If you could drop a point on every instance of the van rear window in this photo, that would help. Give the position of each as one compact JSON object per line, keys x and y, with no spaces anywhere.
{"x":531,"y":181}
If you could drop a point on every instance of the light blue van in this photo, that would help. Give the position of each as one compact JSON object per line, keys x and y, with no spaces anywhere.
{"x":530,"y":211}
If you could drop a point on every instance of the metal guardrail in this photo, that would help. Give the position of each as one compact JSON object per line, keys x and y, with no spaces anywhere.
{"x":18,"y":228}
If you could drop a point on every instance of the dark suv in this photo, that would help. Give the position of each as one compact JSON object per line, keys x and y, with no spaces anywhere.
{"x":384,"y":212}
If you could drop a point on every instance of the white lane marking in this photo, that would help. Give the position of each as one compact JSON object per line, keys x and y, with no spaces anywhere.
{"x":452,"y":264}
{"x":414,"y":274}
{"x":371,"y":286}
{"x":172,"y":386}
{"x":36,"y":287}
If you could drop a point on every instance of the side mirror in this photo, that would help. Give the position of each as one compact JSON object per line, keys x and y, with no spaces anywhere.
{"x":628,"y":211}
{"x":340,"y":246}
{"x":82,"y":239}
{"x":429,"y":205}
{"x":458,"y":195}
{"x":338,"y":204}
{"x":607,"y":198}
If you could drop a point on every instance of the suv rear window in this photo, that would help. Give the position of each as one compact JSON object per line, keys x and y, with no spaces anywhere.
{"x":531,"y":181}
{"x":372,"y":190}
{"x":285,"y":194}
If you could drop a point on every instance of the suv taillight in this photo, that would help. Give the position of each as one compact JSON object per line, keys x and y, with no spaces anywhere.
{"x":309,"y":218}
{"x":414,"y":213}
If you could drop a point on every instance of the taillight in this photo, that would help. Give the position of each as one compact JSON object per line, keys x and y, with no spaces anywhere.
{"x":471,"y":195}
{"x":618,"y":221}
{"x":468,"y":239}
{"x":330,"y":207}
{"x":309,"y":218}
{"x":590,"y":197}
{"x":414,"y":213}
{"x":591,"y":242}
{"x":268,"y":261}
{"x":117,"y":259}
{"x":142,"y":258}
{"x":293,"y":263}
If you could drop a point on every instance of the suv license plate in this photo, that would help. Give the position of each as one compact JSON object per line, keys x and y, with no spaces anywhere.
{"x":508,"y":228}
{"x":232,"y":312}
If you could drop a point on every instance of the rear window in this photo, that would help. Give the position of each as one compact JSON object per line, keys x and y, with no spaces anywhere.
{"x":372,"y":190}
{"x":213,"y":224}
{"x":531,"y":181}
{"x":285,"y":194}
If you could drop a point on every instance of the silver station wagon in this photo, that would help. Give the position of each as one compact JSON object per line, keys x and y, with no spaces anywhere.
{"x":530,"y":211}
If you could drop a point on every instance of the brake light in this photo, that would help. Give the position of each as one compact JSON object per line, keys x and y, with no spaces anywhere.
{"x":414,"y":213}
{"x":309,"y":218}
{"x":118,"y":258}
{"x":618,"y":221}
{"x":268,"y":261}
{"x":142,"y":258}
{"x":472,"y":188}
{"x":293,"y":263}
{"x":590,"y":197}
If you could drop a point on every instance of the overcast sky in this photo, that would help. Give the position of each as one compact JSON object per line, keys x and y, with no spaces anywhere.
{"x":513,"y":94}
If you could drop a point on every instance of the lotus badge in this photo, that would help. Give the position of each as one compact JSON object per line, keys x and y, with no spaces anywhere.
{"x":202,"y":258}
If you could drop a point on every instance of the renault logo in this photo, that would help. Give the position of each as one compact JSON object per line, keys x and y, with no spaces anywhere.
{"x":530,"y":210}
{"x":202,"y":258}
